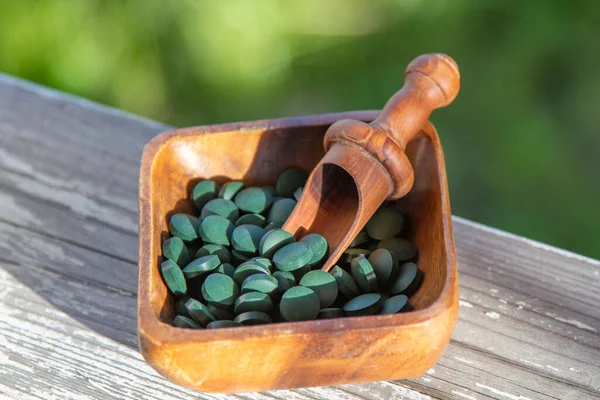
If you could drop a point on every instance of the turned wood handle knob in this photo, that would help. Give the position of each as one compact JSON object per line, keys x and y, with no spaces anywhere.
{"x":431,"y":81}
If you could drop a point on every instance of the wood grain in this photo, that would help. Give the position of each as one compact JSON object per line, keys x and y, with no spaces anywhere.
{"x":529,"y":325}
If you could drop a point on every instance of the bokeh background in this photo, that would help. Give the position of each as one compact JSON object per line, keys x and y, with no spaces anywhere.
{"x":522,"y":141}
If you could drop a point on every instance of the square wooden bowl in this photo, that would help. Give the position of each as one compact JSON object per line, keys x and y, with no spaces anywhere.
{"x":298,"y":354}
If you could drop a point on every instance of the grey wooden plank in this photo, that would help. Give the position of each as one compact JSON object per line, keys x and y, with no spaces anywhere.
{"x":528,"y":326}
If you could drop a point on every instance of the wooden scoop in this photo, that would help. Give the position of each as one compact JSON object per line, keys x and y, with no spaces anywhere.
{"x":365,"y":164}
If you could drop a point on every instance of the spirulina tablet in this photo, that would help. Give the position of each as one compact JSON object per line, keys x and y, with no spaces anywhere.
{"x":402,"y":250}
{"x":201,"y":266}
{"x":364,"y":275}
{"x":216,"y":249}
{"x":260,"y":283}
{"x":385,"y":223}
{"x":346,"y":283}
{"x":394,"y":304}
{"x":292,"y":257}
{"x":274,"y":225}
{"x":184,"y":226}
{"x":253,"y":318}
{"x":319,"y":247}
{"x":203,"y":192}
{"x":408,"y":281}
{"x":253,"y":200}
{"x":323,"y":284}
{"x":281,"y":210}
{"x":285,"y":280}
{"x":299,"y":304}
{"x":384,"y":265}
{"x":330,"y":313}
{"x":274,"y":240}
{"x":173,"y":277}
{"x":365,"y":304}
{"x":230,"y":189}
{"x":174,"y":249}
{"x":247,"y":269}
{"x":251,"y":219}
{"x":290,"y":180}
{"x":360,"y":239}
{"x":298,"y":193}
{"x":246,"y":238}
{"x":222,"y":324}
{"x":220,"y":290}
{"x":180,"y":306}
{"x":185,"y":322}
{"x":253,"y":301}
{"x":351,"y":254}
{"x":222,"y":207}
{"x":199,"y":312}
{"x":216,"y":229}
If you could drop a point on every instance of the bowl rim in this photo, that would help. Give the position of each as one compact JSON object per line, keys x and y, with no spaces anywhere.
{"x":159,"y":332}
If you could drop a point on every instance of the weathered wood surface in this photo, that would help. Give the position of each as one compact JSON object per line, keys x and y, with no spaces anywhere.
{"x":528,"y":327}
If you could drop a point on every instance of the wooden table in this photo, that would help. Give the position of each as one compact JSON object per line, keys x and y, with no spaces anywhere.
{"x":528,"y":327}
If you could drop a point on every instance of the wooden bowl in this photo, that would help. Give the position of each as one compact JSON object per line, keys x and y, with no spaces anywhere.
{"x":297,"y":354}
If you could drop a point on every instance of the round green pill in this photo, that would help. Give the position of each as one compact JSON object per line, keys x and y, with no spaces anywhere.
{"x":299,"y":304}
{"x":253,"y":318}
{"x":384,"y":265}
{"x":330,"y":313}
{"x":226,"y":269}
{"x":261,"y":283}
{"x":365,"y":304}
{"x":203,"y":192}
{"x":289,"y":181}
{"x":180,"y":306}
{"x":265,"y":262}
{"x":251,"y":219}
{"x":385,"y":223}
{"x":199,"y":312}
{"x":364,"y":275}
{"x":254,"y":301}
{"x":319,"y":247}
{"x":394,"y":304}
{"x":253,"y":200}
{"x":185,"y":322}
{"x":174,"y":249}
{"x":402,"y":250}
{"x":345,"y":282}
{"x":216,"y":249}
{"x":184,"y":226}
{"x":285,"y":280}
{"x":293,"y":257}
{"x":323,"y":284}
{"x":216,"y":229}
{"x":274,"y":240}
{"x":201,"y":266}
{"x":222,"y":207}
{"x":220,"y":290}
{"x":173,"y":277}
{"x":222,"y":324}
{"x":247,"y":269}
{"x":246,"y":238}
{"x":408,"y":281}
{"x":281,"y":210}
{"x":271,"y":190}
{"x":230,"y":189}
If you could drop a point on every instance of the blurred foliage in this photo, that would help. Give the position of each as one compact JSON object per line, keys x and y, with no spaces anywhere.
{"x":521,"y":140}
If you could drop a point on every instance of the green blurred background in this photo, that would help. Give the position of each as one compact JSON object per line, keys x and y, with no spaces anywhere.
{"x":521,"y":141}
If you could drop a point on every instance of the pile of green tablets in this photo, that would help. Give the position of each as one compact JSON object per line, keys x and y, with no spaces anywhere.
{"x":231,"y":264}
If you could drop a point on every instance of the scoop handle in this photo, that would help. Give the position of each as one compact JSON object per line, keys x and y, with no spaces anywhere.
{"x":430,"y":81}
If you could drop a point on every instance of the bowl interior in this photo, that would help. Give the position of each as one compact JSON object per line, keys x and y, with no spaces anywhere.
{"x":257,"y":155}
